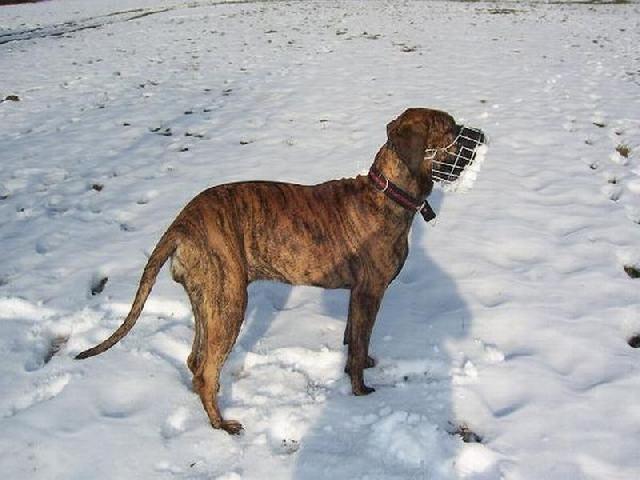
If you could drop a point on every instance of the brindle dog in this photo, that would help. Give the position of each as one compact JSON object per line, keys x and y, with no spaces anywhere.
{"x":339,"y":234}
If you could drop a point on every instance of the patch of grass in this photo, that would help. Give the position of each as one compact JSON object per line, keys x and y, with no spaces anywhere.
{"x":632,"y":271}
{"x":593,"y":2}
{"x":371,"y":36}
{"x":16,"y":2}
{"x":467,"y":435}
{"x":623,"y":150}
{"x":158,"y":130}
{"x":502,"y":11}
{"x":98,"y":285}
{"x":290,"y":446}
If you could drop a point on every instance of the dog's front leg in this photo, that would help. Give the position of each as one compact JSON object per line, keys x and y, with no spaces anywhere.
{"x":371,"y":362}
{"x":363,"y":308}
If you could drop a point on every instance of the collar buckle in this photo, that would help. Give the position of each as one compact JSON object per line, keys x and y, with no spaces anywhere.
{"x":401,"y":197}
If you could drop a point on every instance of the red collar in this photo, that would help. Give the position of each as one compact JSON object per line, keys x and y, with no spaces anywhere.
{"x":401,"y":197}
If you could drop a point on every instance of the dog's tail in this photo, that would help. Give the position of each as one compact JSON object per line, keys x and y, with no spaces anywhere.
{"x":164,"y":249}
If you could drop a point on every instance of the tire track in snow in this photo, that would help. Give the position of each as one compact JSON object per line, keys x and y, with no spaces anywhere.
{"x":60,"y":29}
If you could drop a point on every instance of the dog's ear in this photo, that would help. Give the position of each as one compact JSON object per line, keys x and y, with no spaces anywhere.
{"x":408,"y":138}
{"x":390,"y":126}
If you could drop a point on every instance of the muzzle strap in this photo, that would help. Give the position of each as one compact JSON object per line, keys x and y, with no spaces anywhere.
{"x":401,"y":197}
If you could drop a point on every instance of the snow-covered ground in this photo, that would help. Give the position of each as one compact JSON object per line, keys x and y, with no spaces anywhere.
{"x":510,"y":319}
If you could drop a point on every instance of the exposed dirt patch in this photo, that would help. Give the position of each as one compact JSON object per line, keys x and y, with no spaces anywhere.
{"x":16,"y":2}
{"x":464,"y":432}
{"x":98,"y":284}
{"x":623,"y":150}
{"x":632,"y":271}
{"x":502,"y":11}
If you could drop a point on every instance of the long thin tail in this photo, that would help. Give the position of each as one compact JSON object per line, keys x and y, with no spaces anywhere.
{"x":164,"y":249}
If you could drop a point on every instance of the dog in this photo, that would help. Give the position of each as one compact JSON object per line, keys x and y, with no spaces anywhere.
{"x":349,"y":234}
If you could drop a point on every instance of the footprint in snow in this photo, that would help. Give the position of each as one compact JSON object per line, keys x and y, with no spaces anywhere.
{"x":123,"y":398}
{"x":633,"y":214}
{"x":43,"y":390}
{"x":57,"y":204}
{"x":618,"y":158}
{"x":44,"y":347}
{"x":147,"y":197}
{"x":55,"y":345}
{"x":612,"y":191}
{"x":49,"y":243}
{"x":175,"y":424}
{"x":190,"y":133}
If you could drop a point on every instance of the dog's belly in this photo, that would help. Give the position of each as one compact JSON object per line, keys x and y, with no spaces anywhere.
{"x":301,"y":252}
{"x":310,"y":268}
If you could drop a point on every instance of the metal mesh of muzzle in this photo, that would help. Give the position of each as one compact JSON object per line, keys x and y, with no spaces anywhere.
{"x":457,"y":156}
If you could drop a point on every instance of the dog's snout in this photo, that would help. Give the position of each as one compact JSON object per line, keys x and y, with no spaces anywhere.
{"x":471,"y":135}
{"x":463,"y":152}
{"x":480,"y":137}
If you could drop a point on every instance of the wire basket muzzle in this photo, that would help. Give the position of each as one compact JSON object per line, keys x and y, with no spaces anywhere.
{"x":450,"y":162}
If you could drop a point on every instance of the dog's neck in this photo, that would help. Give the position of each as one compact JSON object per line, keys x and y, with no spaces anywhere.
{"x":389,"y":164}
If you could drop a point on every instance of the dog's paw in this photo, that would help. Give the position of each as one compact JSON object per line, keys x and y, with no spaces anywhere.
{"x":232,"y":427}
{"x":363,"y":390}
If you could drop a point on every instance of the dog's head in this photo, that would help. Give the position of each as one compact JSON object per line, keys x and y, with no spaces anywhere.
{"x":432,"y":145}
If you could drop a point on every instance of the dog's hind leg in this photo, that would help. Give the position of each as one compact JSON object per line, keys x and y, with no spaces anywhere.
{"x":178,"y":273}
{"x":220,"y":322}
{"x":195,"y":357}
{"x":217,"y":289}
{"x":220,"y":317}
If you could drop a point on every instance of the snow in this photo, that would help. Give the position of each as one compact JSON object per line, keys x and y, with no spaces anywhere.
{"x":510,"y":318}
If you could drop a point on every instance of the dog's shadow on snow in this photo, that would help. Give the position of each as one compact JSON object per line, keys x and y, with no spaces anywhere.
{"x":406,"y":424}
